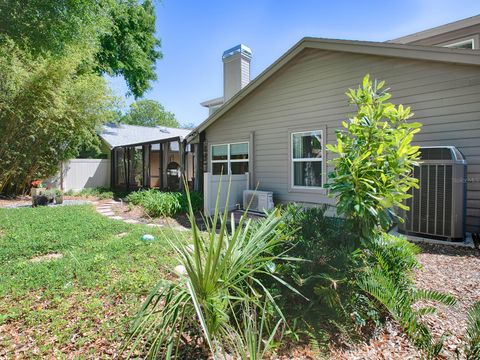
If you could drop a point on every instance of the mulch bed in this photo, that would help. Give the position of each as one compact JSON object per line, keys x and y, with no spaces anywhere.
{"x":136,"y":213}
{"x":449,"y":269}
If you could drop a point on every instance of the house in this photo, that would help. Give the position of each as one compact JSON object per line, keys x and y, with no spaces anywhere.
{"x":256,"y":132}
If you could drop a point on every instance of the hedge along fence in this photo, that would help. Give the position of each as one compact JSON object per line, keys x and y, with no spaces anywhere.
{"x":166,"y":204}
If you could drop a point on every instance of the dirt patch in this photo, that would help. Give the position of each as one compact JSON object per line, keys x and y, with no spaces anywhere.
{"x":16,"y":201}
{"x":47,"y":257}
{"x":449,"y":269}
{"x":130,"y":212}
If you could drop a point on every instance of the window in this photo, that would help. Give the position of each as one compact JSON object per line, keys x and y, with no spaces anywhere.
{"x":464,"y":44}
{"x":230,"y":159}
{"x":307,"y":159}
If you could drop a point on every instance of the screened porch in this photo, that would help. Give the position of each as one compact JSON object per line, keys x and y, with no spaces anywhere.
{"x":158,"y":165}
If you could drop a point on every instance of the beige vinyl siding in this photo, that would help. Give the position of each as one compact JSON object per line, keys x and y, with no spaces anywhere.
{"x":309,"y":93}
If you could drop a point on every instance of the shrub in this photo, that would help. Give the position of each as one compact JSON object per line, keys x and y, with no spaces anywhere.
{"x":328,"y":275}
{"x":98,"y":192}
{"x":165,"y":204}
{"x":374,"y":159}
{"x":220,"y":295}
{"x":157,"y":203}
{"x":372,"y":175}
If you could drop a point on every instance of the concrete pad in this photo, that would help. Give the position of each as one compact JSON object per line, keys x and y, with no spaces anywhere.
{"x":132,"y":221}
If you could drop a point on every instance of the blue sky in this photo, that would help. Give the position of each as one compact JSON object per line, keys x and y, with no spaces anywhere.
{"x":194,"y":35}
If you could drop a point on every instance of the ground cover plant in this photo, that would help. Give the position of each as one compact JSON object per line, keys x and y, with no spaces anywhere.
{"x":166,"y":204}
{"x":71,"y":279}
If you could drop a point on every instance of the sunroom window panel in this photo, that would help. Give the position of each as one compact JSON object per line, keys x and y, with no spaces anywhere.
{"x":239,"y":151}
{"x":239,"y":168}
{"x":220,"y":152}
{"x":220,"y":168}
{"x":307,"y":173}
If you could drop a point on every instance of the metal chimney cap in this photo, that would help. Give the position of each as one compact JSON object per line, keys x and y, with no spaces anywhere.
{"x":239,"y":49}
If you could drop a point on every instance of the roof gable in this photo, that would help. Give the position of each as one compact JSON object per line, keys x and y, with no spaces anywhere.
{"x":416,"y":52}
{"x":123,"y":135}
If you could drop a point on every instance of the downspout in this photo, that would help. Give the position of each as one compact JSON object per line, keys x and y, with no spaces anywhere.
{"x":112,"y":169}
{"x":200,"y":159}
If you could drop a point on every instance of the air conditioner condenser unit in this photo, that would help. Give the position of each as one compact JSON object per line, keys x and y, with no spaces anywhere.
{"x":438,"y":207}
{"x":258,"y":201}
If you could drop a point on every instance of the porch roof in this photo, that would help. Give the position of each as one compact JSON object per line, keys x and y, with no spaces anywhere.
{"x":116,"y":135}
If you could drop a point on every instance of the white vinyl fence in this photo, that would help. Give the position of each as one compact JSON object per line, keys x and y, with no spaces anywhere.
{"x":210,"y":191}
{"x":78,"y":174}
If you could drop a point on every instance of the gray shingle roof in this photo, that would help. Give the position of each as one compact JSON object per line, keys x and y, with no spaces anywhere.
{"x":121,"y":134}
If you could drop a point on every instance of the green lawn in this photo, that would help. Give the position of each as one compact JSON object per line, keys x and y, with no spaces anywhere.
{"x":80,"y":304}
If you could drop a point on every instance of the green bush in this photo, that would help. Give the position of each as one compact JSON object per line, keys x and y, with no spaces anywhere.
{"x":157,"y":203}
{"x":374,"y":159}
{"x":98,"y":192}
{"x":372,"y":176}
{"x":327,"y":276}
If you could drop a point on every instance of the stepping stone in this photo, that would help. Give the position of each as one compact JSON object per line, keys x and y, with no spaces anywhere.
{"x":116,"y":217}
{"x":155,"y":225}
{"x":104,"y":207}
{"x":132,"y":221}
{"x":180,"y":228}
{"x":121,"y":235}
{"x":107,"y":213}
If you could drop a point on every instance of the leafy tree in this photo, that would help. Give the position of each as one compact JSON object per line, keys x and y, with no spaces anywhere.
{"x":189,"y":126}
{"x":122,"y":32}
{"x":149,"y":113}
{"x":130,"y":47}
{"x":47,"y":110}
{"x":374,"y":159}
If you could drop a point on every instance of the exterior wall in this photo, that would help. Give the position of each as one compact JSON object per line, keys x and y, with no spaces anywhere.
{"x":309,"y":93}
{"x":79,"y":174}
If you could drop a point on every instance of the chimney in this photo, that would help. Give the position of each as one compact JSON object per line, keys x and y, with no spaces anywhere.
{"x":236,"y":70}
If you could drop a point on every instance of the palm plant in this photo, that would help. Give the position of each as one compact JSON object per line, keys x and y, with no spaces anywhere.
{"x":472,"y":350}
{"x":389,"y":280}
{"x":224,"y":274}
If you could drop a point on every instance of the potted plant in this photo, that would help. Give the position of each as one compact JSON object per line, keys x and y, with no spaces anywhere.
{"x":37,"y":188}
{"x":40,"y":200}
{"x":50,"y":194}
{"x":58,"y":196}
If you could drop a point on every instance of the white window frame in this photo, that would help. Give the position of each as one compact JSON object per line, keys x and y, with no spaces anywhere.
{"x":462,"y":42}
{"x":228,"y":160}
{"x":293,"y":160}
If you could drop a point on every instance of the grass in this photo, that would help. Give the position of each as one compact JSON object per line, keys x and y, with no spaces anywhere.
{"x":98,"y":192}
{"x":81,"y":303}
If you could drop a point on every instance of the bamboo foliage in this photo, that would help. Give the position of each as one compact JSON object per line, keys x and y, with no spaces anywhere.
{"x":49,"y":106}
